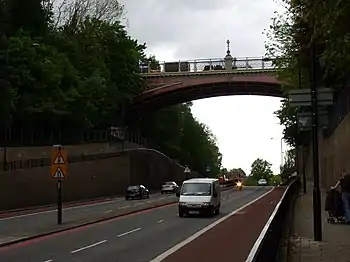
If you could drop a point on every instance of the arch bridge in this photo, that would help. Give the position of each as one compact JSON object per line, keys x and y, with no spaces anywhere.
{"x":170,"y":83}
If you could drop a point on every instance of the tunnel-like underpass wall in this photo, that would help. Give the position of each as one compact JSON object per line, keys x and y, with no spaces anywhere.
{"x":89,"y":179}
{"x":334,"y":154}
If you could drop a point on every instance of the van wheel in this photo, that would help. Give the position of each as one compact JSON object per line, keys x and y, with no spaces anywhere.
{"x":217,"y":211}
{"x":181,"y":213}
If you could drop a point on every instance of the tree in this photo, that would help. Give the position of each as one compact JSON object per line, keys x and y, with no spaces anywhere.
{"x":78,"y":71}
{"x":289,"y":163}
{"x":28,"y":16}
{"x":290,"y":36}
{"x":76,"y":11}
{"x":261,"y":169}
{"x":176,"y":132}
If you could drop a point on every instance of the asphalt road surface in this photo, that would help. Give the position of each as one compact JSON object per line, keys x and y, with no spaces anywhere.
{"x":135,"y":238}
{"x":33,"y":223}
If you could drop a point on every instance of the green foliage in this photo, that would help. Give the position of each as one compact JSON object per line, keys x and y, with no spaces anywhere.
{"x":275,"y":180}
{"x":290,"y":36}
{"x":261,"y":169}
{"x":289,"y":165}
{"x":250,"y":181}
{"x":76,"y":68}
{"x":176,"y":132}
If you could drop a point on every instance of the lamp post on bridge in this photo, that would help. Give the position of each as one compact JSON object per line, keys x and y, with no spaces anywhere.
{"x":228,"y":57}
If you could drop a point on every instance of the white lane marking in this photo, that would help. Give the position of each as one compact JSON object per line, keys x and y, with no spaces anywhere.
{"x":160,"y":221}
{"x":123,"y":207}
{"x":119,"y":199}
{"x":108,"y":211}
{"x":129,"y":232}
{"x":90,"y":246}
{"x":266,"y":227}
{"x":137,"y":204}
{"x":175,"y":248}
{"x":50,"y":260}
{"x":55,"y":210}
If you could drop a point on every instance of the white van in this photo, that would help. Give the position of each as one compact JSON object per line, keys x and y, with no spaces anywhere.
{"x":199,"y":195}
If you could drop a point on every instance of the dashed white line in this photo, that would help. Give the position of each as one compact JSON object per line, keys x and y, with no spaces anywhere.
{"x":50,"y":260}
{"x":90,"y":246}
{"x":129,"y":232}
{"x":160,"y":221}
{"x":108,"y":211}
{"x":64,"y":209}
{"x":123,"y":207}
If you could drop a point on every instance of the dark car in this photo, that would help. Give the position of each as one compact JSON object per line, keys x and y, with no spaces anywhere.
{"x":136,"y":191}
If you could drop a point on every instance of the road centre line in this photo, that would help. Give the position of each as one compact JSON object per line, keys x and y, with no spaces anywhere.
{"x":50,"y":260}
{"x":123,"y":207}
{"x":129,"y":232}
{"x":90,"y":246}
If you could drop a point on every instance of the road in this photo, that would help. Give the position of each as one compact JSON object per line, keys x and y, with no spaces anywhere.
{"x":34,"y":223}
{"x":135,"y":238}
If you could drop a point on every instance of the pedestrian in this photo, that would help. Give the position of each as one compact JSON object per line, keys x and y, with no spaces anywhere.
{"x":344,"y":183}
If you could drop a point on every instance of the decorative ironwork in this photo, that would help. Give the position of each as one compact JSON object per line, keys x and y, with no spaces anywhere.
{"x":207,"y":65}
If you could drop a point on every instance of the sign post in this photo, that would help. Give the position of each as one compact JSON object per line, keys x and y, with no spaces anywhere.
{"x":314,"y":99}
{"x":187,"y":171}
{"x":59,"y":173}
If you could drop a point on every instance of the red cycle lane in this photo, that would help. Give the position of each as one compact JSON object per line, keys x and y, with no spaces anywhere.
{"x":232,"y":239}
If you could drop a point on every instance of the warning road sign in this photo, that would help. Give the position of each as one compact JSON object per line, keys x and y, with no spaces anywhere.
{"x":59,"y":163}
{"x":58,"y":174}
{"x":187,"y":170}
{"x":59,"y":159}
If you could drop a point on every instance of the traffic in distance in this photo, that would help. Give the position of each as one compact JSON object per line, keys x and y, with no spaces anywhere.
{"x":197,"y":196}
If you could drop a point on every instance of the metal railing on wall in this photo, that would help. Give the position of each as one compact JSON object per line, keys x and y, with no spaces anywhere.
{"x":267,"y":246}
{"x":26,"y":138}
{"x":113,"y":136}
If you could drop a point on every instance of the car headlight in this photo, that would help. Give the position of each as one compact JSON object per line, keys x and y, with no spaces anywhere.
{"x":205,"y":204}
{"x":182,"y":203}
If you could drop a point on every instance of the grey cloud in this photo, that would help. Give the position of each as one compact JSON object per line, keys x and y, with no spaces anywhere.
{"x":199,"y":28}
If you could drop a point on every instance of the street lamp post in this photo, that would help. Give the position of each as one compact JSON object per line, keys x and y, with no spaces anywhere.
{"x":316,"y":189}
{"x":207,"y":170}
{"x":281,"y":149}
{"x":6,"y":129}
{"x":303,"y":153}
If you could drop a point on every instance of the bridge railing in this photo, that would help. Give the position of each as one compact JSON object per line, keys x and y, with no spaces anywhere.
{"x":205,"y":65}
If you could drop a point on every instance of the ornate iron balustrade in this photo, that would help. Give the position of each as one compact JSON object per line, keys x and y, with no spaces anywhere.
{"x":207,"y":65}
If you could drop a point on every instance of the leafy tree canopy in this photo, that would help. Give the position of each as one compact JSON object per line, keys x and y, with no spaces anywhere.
{"x":261,"y":169}
{"x":289,"y":37}
{"x":176,"y":132}
{"x":71,"y":65}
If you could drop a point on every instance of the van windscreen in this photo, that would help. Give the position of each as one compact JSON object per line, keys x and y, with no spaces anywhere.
{"x":196,"y":189}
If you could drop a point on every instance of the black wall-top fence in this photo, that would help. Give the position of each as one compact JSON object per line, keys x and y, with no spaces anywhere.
{"x":24,"y":138}
{"x":42,"y":162}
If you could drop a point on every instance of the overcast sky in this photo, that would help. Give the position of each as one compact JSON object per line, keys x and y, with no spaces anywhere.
{"x":191,"y":29}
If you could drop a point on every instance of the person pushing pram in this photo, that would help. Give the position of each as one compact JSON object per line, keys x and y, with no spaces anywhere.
{"x":344,"y":183}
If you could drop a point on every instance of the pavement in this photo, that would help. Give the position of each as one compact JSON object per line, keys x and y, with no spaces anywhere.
{"x":335,"y":246}
{"x":138,"y":237}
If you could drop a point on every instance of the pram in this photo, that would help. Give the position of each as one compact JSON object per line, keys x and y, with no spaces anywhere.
{"x":334,"y":207}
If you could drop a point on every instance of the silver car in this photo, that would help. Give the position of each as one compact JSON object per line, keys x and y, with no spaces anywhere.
{"x":262,"y":182}
{"x":169,"y":187}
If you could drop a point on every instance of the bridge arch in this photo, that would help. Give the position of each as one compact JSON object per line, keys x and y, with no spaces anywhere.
{"x":175,"y":89}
